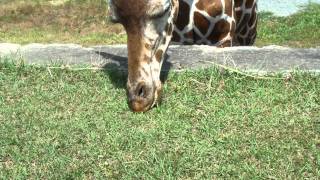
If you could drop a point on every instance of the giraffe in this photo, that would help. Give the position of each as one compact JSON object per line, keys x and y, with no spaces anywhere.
{"x":151,"y":25}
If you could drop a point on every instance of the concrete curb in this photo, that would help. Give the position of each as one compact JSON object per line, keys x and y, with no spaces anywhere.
{"x":269,"y":59}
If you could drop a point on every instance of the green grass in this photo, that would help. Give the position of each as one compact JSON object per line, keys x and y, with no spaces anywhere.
{"x":84,"y":22}
{"x":40,"y":35}
{"x":299,"y":30}
{"x":76,"y":124}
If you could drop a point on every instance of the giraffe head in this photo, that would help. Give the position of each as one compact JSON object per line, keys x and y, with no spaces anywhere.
{"x":149,"y":26}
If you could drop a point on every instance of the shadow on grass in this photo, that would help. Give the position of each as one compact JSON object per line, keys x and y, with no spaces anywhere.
{"x":117,"y":69}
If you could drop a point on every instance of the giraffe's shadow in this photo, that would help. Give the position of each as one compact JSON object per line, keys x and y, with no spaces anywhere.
{"x":117,"y":69}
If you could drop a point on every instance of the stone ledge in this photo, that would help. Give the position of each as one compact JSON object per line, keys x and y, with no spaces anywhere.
{"x":251,"y":59}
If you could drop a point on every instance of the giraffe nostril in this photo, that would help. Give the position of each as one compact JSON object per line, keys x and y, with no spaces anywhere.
{"x":141,"y":90}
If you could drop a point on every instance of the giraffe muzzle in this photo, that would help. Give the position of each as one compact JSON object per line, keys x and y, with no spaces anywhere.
{"x":141,"y":97}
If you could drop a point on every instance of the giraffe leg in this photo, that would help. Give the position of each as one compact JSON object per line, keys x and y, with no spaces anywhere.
{"x":246,"y":17}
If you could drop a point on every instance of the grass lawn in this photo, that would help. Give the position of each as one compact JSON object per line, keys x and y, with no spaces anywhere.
{"x":84,"y":22}
{"x":299,"y":30}
{"x":76,"y":124}
{"x":76,"y":21}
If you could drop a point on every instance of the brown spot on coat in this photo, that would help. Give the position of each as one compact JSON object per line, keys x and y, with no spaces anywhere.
{"x":201,"y":22}
{"x":189,"y":34}
{"x":212,"y":7}
{"x":158,"y":55}
{"x":183,"y":15}
{"x":148,"y":46}
{"x":220,"y":31}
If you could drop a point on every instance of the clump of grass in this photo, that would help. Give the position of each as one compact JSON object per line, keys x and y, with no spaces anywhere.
{"x":299,"y":30}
